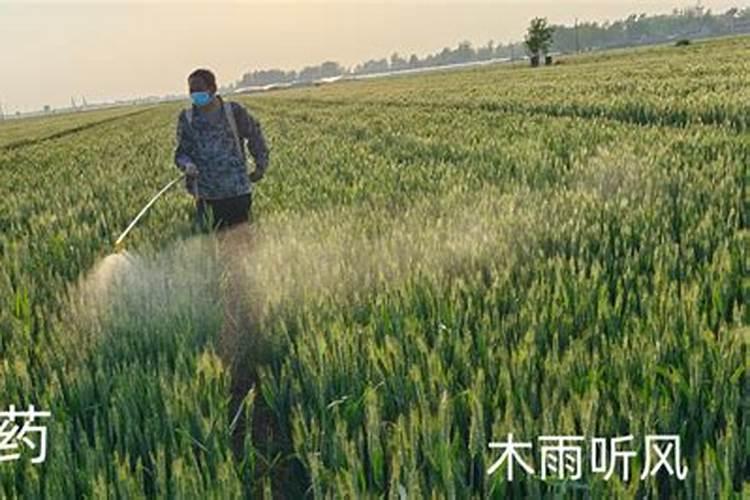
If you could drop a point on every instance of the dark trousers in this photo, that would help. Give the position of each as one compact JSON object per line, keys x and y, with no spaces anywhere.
{"x":223,"y":213}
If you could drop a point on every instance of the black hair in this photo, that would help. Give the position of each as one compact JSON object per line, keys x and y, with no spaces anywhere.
{"x":206,"y":75}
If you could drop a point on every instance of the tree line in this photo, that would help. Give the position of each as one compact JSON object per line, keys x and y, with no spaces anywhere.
{"x":636,"y":29}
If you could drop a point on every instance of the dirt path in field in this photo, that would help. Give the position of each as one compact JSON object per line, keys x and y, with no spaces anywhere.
{"x":244,"y":347}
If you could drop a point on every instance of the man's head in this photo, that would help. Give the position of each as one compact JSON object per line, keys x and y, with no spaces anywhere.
{"x":202,"y":85}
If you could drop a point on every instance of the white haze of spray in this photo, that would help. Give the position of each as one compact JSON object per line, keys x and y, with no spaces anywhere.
{"x":305,"y":259}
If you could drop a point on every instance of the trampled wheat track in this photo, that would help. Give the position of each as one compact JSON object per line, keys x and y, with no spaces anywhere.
{"x":72,"y":130}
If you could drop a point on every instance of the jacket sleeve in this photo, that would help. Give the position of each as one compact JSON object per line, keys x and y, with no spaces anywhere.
{"x":249,"y":128}
{"x":183,"y":154}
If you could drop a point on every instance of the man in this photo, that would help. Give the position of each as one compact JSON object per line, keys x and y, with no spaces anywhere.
{"x":211,"y":152}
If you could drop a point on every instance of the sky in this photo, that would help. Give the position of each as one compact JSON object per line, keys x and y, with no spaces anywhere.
{"x":117,"y":49}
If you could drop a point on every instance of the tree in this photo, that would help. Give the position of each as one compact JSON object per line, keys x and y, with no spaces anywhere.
{"x":372,"y":66}
{"x":538,"y":38}
{"x":486,"y":52}
{"x":731,"y":14}
{"x":398,"y":63}
{"x":463,"y":53}
{"x":330,"y":69}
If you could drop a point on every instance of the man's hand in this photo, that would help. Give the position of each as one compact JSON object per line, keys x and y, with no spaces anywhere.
{"x":256,"y":175}
{"x":191,"y":170}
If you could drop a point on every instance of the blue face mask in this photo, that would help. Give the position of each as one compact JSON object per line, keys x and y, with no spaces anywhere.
{"x":201,"y":98}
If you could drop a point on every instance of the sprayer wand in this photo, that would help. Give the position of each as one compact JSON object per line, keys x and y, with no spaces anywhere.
{"x":118,"y":242}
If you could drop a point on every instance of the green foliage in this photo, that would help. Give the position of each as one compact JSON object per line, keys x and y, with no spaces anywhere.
{"x":538,"y":38}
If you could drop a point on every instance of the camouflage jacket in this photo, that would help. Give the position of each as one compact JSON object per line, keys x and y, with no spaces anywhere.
{"x":209,"y":143}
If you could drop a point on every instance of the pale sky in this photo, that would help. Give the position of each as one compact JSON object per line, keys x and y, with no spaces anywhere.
{"x":107,"y":49}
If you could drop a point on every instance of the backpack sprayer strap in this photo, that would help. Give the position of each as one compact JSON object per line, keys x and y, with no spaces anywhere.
{"x":233,"y":125}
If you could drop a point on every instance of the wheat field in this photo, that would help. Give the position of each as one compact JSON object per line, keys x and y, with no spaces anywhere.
{"x":437,"y":261}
